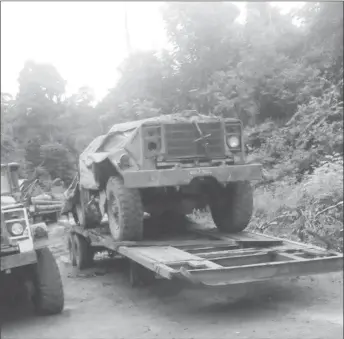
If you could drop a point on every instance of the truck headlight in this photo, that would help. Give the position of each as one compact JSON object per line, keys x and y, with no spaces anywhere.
{"x":233,"y":141}
{"x":17,"y":229}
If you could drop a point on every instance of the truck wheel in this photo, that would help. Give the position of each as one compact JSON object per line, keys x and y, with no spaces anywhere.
{"x":83,"y":252}
{"x":125,"y":211}
{"x":48,"y":296}
{"x":232,"y":209}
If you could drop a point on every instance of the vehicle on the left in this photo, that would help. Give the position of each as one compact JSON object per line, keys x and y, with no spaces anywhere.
{"x":25,"y":255}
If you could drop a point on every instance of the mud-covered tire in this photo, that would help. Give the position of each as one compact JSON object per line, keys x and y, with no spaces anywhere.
{"x":232,"y":209}
{"x":84,"y":253}
{"x":126,"y":223}
{"x":48,"y":295}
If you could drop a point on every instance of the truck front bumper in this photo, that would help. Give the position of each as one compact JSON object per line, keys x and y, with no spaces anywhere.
{"x":183,"y":176}
{"x":18,"y":259}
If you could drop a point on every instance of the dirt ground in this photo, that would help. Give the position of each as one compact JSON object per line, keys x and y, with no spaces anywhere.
{"x":99,"y":303}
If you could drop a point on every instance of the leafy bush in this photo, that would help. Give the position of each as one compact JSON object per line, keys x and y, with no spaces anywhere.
{"x":310,"y":211}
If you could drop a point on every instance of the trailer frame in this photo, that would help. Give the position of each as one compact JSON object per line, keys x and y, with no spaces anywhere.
{"x":215,"y":259}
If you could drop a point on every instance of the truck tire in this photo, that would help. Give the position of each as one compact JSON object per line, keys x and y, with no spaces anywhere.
{"x":125,"y":211}
{"x":48,"y":295}
{"x":83,"y":252}
{"x":232,"y":210}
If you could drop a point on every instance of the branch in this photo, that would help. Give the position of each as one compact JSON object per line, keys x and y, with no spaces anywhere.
{"x":328,"y":208}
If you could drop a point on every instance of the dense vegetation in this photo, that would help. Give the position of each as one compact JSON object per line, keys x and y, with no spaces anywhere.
{"x":281,"y":74}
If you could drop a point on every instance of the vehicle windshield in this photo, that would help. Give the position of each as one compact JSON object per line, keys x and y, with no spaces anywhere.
{"x":5,"y":184}
{"x":15,"y":179}
{"x":9,"y":184}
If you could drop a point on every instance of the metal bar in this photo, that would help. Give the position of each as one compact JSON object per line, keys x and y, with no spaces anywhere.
{"x":300,"y":245}
{"x":288,"y":257}
{"x":266,"y":271}
{"x":14,"y":220}
{"x":242,"y":260}
{"x":196,"y":250}
{"x":243,"y":237}
{"x":230,"y":253}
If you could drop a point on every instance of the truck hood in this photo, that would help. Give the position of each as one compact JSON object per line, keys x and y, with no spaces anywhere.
{"x":120,"y":135}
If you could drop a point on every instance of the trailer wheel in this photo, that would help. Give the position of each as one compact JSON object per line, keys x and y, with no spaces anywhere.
{"x":83,"y":252}
{"x":232,"y":209}
{"x":125,"y":211}
{"x":48,"y":295}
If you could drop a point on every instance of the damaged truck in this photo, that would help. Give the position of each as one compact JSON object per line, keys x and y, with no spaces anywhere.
{"x":167,"y":164}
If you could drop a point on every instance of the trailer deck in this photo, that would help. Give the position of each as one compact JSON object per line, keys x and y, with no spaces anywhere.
{"x":211,"y":258}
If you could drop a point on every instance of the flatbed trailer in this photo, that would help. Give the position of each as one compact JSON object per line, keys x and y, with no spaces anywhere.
{"x":208,"y":257}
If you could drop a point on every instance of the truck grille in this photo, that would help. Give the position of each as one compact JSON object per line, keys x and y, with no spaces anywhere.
{"x":180,"y":140}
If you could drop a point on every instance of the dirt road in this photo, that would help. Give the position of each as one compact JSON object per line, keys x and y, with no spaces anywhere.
{"x":101,"y":304}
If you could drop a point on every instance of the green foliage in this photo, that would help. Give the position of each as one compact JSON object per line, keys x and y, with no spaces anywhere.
{"x":311,"y":211}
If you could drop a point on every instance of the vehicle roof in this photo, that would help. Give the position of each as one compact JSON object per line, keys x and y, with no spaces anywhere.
{"x":185,"y":116}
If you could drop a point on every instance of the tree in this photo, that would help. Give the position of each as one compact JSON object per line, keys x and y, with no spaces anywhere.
{"x":142,"y":91}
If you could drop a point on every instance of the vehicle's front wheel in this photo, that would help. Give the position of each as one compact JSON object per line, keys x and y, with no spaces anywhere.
{"x":232,"y":207}
{"x":48,"y":295}
{"x":125,"y":211}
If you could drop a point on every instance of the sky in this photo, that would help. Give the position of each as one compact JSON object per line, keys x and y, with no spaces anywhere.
{"x":85,"y":41}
